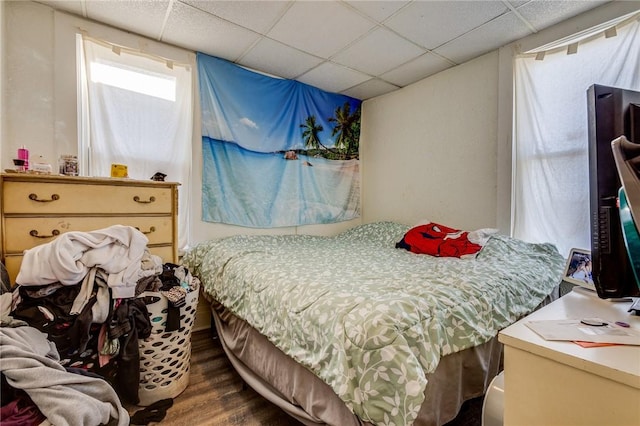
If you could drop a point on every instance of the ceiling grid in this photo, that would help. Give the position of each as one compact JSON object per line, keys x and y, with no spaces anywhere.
{"x":359,"y":48}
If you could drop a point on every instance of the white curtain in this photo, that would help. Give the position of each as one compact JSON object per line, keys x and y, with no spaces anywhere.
{"x":551,"y":166}
{"x":137,"y":110}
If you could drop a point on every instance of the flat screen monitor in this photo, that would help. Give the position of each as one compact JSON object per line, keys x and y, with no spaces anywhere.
{"x":612,"y":114}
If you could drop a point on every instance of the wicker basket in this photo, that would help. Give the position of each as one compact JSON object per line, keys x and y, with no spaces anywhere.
{"x":165,"y":357}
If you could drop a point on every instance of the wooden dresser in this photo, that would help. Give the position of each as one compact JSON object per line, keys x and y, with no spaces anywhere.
{"x":36,"y":209}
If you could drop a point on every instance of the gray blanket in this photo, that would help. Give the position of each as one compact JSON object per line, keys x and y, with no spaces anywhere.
{"x":30,"y":363}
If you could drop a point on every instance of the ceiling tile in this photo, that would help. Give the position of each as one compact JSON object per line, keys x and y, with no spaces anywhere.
{"x":377,"y":52}
{"x":378,"y":10}
{"x":361,"y":38}
{"x":544,"y":13}
{"x":490,"y":36}
{"x":415,"y":70}
{"x":321,"y":28}
{"x":370,"y":89}
{"x":275,"y":58}
{"x":71,"y":6}
{"x":432,"y":23}
{"x":193,"y":29}
{"x":518,"y":3}
{"x":256,"y":15}
{"x":332,"y":77}
{"x":143,"y":17}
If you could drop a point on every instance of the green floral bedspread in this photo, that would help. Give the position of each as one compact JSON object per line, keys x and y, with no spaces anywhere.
{"x":367,"y":318}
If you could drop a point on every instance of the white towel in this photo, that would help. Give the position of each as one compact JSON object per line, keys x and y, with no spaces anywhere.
{"x":118,"y":250}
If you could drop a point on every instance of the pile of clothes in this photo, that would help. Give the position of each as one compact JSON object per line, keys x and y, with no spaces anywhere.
{"x":70,"y":328}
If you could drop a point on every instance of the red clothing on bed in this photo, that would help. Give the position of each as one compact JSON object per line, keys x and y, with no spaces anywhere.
{"x":438,"y":240}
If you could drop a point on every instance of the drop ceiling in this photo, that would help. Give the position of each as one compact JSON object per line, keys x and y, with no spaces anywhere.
{"x":359,"y":48}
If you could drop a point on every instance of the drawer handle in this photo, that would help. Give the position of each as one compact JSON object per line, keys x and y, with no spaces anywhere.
{"x":34,"y":197}
{"x":138,"y":200}
{"x":152,"y":229}
{"x":54,"y":233}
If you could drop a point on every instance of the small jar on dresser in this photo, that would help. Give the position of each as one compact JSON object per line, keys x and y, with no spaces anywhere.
{"x":35,"y":209}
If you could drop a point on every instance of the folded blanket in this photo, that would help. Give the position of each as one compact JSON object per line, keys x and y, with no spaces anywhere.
{"x":30,"y":363}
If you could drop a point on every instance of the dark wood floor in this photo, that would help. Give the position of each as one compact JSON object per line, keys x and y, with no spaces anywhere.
{"x":216,"y":395}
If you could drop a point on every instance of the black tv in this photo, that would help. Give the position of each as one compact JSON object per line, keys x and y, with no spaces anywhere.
{"x":612,"y":112}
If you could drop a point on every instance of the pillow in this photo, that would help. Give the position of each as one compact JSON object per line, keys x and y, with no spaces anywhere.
{"x":441,"y":241}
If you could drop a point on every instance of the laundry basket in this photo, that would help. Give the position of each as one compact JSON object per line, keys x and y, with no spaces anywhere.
{"x":165,"y":357}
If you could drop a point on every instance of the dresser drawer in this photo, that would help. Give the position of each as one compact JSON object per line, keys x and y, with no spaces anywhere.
{"x":20,"y":230}
{"x":165,"y":252}
{"x":60,"y":198}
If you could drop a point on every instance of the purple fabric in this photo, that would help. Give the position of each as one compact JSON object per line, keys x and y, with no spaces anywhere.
{"x":21,"y":412}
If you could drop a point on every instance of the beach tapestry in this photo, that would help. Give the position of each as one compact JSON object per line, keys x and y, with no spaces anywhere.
{"x":276,"y":152}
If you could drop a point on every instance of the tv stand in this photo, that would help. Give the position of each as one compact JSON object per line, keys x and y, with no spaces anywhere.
{"x":562,"y":383}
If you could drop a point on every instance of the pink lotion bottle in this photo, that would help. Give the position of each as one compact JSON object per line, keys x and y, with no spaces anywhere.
{"x":23,"y":154}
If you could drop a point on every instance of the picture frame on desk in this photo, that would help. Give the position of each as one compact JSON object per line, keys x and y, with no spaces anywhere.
{"x":577,"y":270}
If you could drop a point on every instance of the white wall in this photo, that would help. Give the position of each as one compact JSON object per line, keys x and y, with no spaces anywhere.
{"x":429,"y":150}
{"x":29,"y":90}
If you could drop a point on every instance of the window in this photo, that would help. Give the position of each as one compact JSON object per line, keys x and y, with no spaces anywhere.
{"x":137,"y":110}
{"x":551,"y":179}
{"x":134,"y":80}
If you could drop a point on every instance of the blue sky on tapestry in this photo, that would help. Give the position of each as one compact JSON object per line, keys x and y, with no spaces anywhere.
{"x":276,"y":152}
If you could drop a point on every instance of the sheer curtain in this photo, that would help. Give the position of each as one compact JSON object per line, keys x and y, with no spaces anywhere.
{"x":551,"y":166}
{"x":137,"y":110}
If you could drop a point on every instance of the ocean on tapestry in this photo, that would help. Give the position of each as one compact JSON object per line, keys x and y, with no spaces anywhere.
{"x":276,"y":152}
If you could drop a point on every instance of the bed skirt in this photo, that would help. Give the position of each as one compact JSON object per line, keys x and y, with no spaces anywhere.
{"x":296,"y":390}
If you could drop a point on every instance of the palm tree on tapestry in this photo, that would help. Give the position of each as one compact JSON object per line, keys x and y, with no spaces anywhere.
{"x":310,"y":133}
{"x":347,"y":129}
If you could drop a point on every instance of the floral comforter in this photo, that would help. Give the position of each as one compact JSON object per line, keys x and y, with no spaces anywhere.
{"x":369,"y":319}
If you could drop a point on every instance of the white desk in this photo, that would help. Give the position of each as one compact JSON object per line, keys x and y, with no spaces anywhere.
{"x":560,"y":383}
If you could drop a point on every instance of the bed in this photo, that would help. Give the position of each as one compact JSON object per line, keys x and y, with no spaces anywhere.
{"x":350,"y":330}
